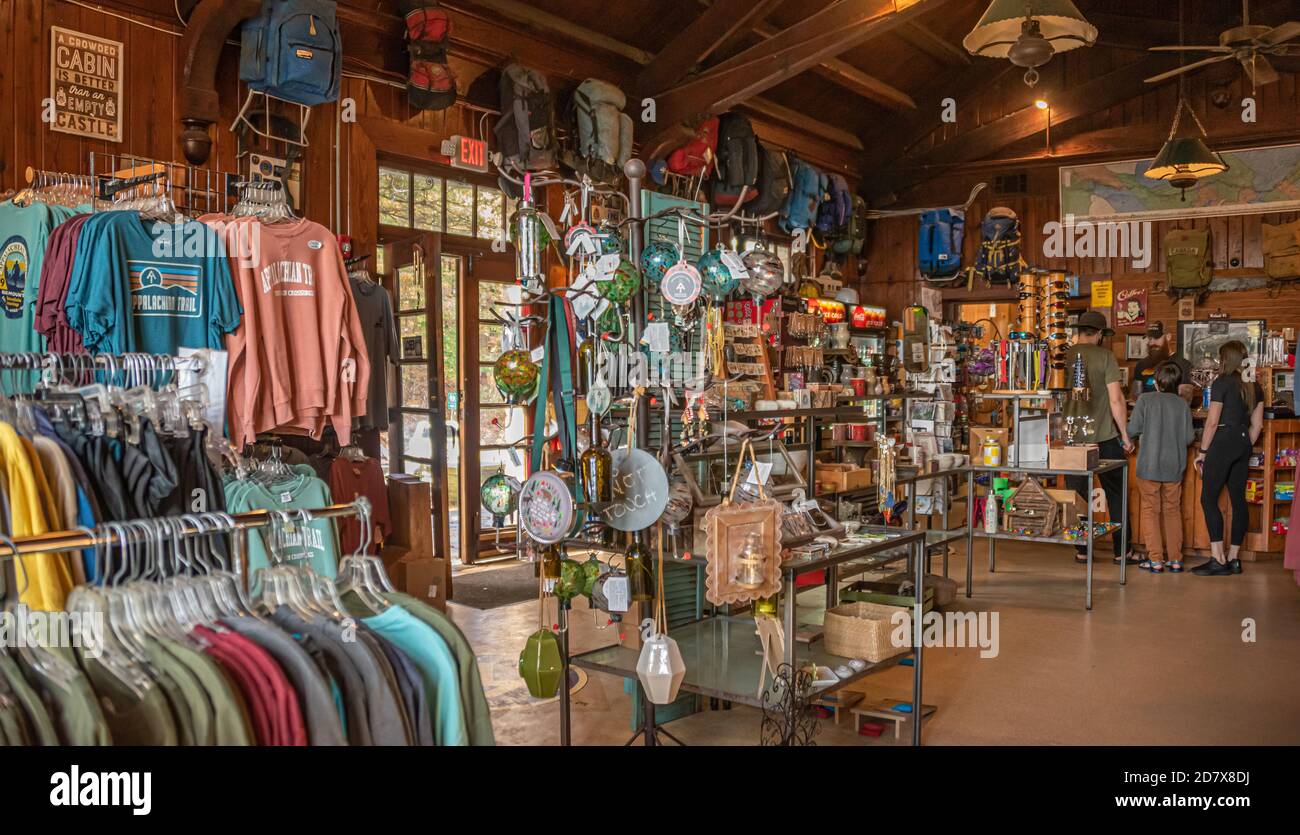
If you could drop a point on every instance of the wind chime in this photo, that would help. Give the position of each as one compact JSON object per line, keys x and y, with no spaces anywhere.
{"x":887,"y":454}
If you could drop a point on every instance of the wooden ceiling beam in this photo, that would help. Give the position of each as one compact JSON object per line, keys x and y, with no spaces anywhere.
{"x":936,"y":47}
{"x":822,"y":35}
{"x":845,"y":75}
{"x":698,"y":40}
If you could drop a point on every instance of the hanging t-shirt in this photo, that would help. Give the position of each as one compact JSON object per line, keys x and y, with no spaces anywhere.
{"x":314,"y":543}
{"x":47,"y":576}
{"x":24,"y":233}
{"x":375,"y":310}
{"x":151,"y":286}
{"x":349,"y":479}
{"x":50,"y":316}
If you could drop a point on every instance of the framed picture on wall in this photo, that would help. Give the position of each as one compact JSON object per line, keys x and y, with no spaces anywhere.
{"x":1199,"y":340}
{"x":1135,"y":346}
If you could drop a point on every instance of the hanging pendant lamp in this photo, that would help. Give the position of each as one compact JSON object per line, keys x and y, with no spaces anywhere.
{"x":1184,"y":160}
{"x":1029,"y":32}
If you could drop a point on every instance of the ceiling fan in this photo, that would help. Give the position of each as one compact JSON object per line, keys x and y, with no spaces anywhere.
{"x":1247,"y":44}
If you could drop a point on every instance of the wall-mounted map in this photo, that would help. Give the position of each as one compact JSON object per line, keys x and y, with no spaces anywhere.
{"x":1258,"y":180}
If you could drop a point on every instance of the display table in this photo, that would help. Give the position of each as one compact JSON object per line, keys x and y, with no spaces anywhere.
{"x":723,"y":655}
{"x":1103,"y":466}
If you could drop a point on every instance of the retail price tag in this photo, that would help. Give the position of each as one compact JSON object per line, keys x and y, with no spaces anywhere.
{"x":736,"y":264}
{"x":538,"y":354}
{"x":616,"y":594}
{"x":606,"y":265}
{"x":212,"y":376}
{"x":584,"y":304}
{"x":657,"y":337}
{"x":286,"y":497}
{"x":759,"y":473}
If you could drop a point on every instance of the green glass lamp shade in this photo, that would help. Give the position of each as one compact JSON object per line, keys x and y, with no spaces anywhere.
{"x":718,"y":282}
{"x":622,"y":285}
{"x":1184,"y":161}
{"x":515,"y":374}
{"x":1029,"y":32}
{"x":499,"y":495}
{"x":540,"y":665}
{"x":656,"y":259}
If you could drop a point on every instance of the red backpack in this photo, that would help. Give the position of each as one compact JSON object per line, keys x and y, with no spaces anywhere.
{"x":431,"y":84}
{"x":696,"y":157}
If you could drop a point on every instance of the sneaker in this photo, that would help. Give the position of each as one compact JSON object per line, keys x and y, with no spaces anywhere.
{"x":1214,"y":569}
{"x":1234,"y":566}
{"x":1203,"y":566}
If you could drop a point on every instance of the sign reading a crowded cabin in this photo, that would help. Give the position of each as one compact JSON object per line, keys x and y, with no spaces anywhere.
{"x":86,"y":75}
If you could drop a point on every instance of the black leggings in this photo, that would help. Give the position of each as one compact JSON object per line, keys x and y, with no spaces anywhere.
{"x":1226,"y":464}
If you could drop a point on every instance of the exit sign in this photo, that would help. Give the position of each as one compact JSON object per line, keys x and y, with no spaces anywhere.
{"x":467,"y":153}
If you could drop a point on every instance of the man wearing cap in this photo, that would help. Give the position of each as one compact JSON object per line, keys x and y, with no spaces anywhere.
{"x":1160,"y":349}
{"x":1101,"y":419}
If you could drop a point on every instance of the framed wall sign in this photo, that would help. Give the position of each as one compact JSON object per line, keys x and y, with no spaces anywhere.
{"x":86,"y":79}
{"x":1130,"y":307}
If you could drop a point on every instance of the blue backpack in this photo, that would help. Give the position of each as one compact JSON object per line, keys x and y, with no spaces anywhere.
{"x":938,"y":250}
{"x":836,"y":210}
{"x":999,"y":260}
{"x":292,"y":51}
{"x":808,"y":188}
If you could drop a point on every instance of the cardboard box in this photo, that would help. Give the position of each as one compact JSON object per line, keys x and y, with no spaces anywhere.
{"x":1076,"y":457}
{"x":977,"y":435}
{"x":424,"y":578}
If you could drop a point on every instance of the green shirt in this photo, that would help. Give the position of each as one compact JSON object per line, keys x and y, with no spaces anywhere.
{"x":1102,"y":370}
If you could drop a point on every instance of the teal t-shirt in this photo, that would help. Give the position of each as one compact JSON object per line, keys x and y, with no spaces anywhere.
{"x":140,"y":284}
{"x":316,"y":543}
{"x":24,"y":232}
{"x":431,"y":655}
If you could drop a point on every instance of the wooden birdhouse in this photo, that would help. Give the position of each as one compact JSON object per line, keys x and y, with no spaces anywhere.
{"x":1030,"y":509}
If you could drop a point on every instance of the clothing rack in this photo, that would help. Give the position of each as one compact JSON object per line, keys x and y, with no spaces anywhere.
{"x":194,"y":191}
{"x":192,"y":524}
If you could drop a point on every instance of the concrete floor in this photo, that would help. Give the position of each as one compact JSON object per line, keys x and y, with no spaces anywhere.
{"x":1160,"y":661}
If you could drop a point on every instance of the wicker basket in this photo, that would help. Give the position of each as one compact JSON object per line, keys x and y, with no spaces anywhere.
{"x":862,"y":630}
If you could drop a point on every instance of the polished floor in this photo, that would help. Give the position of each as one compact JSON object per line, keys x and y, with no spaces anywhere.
{"x":1164,"y":660}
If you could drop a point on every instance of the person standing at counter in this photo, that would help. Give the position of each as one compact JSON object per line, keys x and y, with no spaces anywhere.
{"x":1233,"y":425}
{"x":1162,"y":424}
{"x":1160,"y":349}
{"x":1105,"y":421}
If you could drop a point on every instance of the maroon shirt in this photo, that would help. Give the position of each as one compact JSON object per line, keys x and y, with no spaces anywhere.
{"x":51,"y":319}
{"x":349,"y":479}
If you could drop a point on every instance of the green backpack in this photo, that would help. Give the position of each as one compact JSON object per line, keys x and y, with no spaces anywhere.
{"x":1188,"y":259}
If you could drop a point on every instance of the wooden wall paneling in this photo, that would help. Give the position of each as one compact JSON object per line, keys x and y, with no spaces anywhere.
{"x":63,"y":151}
{"x":28,"y":93}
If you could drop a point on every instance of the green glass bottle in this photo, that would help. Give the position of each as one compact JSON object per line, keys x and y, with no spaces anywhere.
{"x":640,"y":573}
{"x":586,"y":366}
{"x":596,"y":472}
{"x":550,"y":562}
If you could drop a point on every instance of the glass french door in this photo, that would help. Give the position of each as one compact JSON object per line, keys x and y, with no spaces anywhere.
{"x":421,"y":440}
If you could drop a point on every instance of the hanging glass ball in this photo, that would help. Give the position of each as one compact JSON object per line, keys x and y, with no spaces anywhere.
{"x":622,"y":285}
{"x":515,"y":374}
{"x":656,"y":259}
{"x":610,"y":240}
{"x":718,"y":281}
{"x":766,"y":273}
{"x":500,"y":494}
{"x":608,"y":322}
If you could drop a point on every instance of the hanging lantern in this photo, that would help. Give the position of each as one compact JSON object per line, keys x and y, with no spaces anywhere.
{"x":500,"y":496}
{"x":1185,"y":160}
{"x":623,"y":284}
{"x":515,"y":375}
{"x":1029,"y":32}
{"x":716,"y":275}
{"x":655,"y":261}
{"x":750,"y":563}
{"x":765,"y":275}
{"x":660,"y":669}
{"x":540,"y":666}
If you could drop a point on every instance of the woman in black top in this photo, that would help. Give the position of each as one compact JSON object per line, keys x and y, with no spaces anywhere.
{"x":1235,"y":419}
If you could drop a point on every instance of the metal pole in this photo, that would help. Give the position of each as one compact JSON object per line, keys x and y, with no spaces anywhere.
{"x":1123,"y":531}
{"x":565,"y":707}
{"x":918,"y":647}
{"x":1091,"y":538}
{"x":970,"y":529}
{"x":635,"y":171}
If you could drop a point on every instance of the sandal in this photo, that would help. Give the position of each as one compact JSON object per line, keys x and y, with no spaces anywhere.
{"x":1153,"y":567}
{"x":1132,"y":559}
{"x":1174,"y":566}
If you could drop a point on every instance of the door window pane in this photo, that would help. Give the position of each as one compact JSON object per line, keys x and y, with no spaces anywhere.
{"x":460,"y":208}
{"x":416,"y":437}
{"x":490,"y":292}
{"x":487,"y":388}
{"x":410,"y":328}
{"x":410,"y":289}
{"x":394,"y":197}
{"x":491,"y":342}
{"x":491,"y":212}
{"x":501,"y":425}
{"x":428,"y":203}
{"x":450,"y":328}
{"x":415,"y":386}
{"x":418,"y":469}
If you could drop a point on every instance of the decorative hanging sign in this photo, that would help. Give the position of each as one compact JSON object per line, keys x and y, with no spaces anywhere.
{"x":546,"y":507}
{"x":640,"y":491}
{"x":1130,"y":307}
{"x":86,"y":75}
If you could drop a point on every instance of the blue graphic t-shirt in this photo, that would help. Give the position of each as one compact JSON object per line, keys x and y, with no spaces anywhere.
{"x":151,"y":286}
{"x":24,"y":231}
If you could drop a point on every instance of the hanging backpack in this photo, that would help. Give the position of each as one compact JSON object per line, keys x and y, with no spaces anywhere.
{"x":854,"y":236}
{"x":737,"y":152}
{"x":1282,"y":251}
{"x":939,"y":241}
{"x":807,"y":190}
{"x":773,"y":184}
{"x":999,"y":260}
{"x":431,"y":84}
{"x":835,"y":210}
{"x":1188,"y":261}
{"x":526,"y":130}
{"x":292,"y":51}
{"x":604,"y":130}
{"x":697,"y":157}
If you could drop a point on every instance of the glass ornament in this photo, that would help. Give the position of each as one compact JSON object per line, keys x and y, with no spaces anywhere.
{"x":766,"y":273}
{"x":608,"y":322}
{"x":500,"y":496}
{"x":515,"y":375}
{"x":656,"y":259}
{"x":622,"y":285}
{"x":716,"y":275}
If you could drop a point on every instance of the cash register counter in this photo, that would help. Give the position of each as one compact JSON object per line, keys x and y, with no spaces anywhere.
{"x":1264,"y":539}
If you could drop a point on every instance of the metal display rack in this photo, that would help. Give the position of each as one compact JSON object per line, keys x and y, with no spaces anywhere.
{"x":1103,"y":466}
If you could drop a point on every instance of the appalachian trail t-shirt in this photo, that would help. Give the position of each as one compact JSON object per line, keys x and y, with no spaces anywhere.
{"x":152,"y":286}
{"x":24,"y":231}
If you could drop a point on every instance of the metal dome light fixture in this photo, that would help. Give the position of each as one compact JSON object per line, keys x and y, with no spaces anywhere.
{"x":1029,"y":32}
